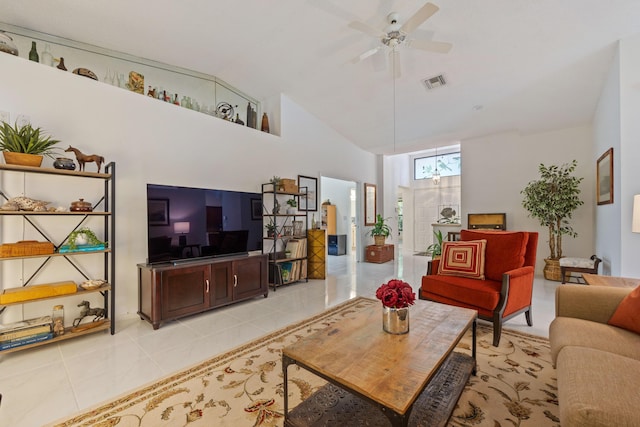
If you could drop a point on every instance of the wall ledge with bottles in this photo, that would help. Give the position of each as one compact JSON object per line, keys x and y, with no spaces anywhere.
{"x":190,"y":89}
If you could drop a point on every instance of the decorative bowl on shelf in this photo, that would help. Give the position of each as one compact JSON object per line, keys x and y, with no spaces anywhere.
{"x":92,"y":284}
{"x":81,"y":206}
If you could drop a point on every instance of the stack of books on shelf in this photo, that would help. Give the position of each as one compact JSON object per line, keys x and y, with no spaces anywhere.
{"x":81,"y":248}
{"x":25,"y":332}
{"x":297,"y":269}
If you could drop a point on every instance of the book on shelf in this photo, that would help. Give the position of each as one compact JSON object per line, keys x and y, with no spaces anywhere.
{"x":26,"y":340}
{"x":297,"y":247}
{"x":24,"y":324}
{"x":285,"y":271}
{"x":25,"y":332}
{"x":81,"y":248}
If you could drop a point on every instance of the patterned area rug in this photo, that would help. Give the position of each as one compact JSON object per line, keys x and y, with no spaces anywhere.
{"x":515,"y":384}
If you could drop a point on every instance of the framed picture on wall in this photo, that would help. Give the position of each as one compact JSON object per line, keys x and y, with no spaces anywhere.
{"x":158,"y":211}
{"x":370,"y":204}
{"x":310,"y":203}
{"x":256,"y":209}
{"x":604,"y":181}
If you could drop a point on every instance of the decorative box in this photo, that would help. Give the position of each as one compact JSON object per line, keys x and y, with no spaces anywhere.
{"x":379,"y":254}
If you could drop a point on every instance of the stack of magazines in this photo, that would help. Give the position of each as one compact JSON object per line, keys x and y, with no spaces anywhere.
{"x":25,"y":332}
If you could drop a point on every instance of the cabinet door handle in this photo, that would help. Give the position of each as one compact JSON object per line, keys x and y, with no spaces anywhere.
{"x":207,"y":282}
{"x":235,"y":280}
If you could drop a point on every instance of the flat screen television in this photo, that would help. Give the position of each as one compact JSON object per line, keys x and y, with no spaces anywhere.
{"x":185,"y":223}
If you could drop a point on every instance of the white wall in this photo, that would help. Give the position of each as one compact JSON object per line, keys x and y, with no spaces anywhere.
{"x":616,"y":125}
{"x":629,"y":154}
{"x":155,"y":142}
{"x":496,"y":168}
{"x":606,"y":134}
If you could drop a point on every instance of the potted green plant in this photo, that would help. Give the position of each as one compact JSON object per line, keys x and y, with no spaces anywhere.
{"x":293,"y":204}
{"x":83,"y":236}
{"x":275,"y":182}
{"x":435,"y":249}
{"x":25,"y":145}
{"x":552,"y":199}
{"x":271,"y":229}
{"x":380,"y":230}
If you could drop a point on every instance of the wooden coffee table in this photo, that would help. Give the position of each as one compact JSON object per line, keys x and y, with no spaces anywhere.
{"x":378,"y":374}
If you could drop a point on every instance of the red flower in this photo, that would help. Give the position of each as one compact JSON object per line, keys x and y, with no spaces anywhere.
{"x":396,"y":294}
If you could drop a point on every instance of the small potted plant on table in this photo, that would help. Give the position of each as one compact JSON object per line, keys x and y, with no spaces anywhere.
{"x":380,"y":230}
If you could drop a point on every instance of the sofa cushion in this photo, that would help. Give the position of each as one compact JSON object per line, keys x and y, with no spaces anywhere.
{"x":597,"y":388}
{"x":465,"y":259}
{"x":627,"y":315}
{"x":472,"y":292}
{"x":569,"y":331}
{"x":505,"y":250}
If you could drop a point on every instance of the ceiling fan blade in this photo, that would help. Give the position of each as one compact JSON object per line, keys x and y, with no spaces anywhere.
{"x":366,"y":54}
{"x":395,"y":63}
{"x":361,"y":26}
{"x":431,"y":46}
{"x":419,"y":17}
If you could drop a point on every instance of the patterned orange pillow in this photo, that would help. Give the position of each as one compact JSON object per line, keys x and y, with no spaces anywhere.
{"x":627,"y":315}
{"x":464,"y":259}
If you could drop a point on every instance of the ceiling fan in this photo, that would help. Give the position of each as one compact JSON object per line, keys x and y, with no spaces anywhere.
{"x":396,"y":35}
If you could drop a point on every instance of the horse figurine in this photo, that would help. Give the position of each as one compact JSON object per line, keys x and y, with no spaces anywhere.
{"x":97,"y":312}
{"x":83,"y":158}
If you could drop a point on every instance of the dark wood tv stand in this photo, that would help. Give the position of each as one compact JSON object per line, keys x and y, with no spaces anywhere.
{"x":173,"y":290}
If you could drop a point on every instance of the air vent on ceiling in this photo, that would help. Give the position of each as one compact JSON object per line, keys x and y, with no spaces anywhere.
{"x":434,"y":82}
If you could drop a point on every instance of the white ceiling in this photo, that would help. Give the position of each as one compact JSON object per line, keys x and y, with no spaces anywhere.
{"x":524,"y":65}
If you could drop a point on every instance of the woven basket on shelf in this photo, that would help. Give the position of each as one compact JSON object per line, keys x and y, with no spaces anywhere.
{"x":26,"y":248}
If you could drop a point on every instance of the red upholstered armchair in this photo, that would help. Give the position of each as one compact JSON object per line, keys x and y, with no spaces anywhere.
{"x":504,"y":292}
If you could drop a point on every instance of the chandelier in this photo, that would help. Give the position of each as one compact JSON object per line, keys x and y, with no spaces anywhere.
{"x":436,"y":175}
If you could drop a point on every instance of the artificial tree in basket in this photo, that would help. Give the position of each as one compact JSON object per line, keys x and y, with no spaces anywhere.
{"x":552,"y":200}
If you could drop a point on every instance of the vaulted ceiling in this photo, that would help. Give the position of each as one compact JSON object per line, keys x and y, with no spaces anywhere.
{"x":514,"y":65}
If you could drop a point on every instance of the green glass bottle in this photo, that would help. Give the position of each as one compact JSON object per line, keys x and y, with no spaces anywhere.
{"x":33,"y":53}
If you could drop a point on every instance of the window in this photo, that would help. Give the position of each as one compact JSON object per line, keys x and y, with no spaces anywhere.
{"x":448,"y":165}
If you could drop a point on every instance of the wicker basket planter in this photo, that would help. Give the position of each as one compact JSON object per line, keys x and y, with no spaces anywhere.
{"x":552,"y":270}
{"x":379,"y":240}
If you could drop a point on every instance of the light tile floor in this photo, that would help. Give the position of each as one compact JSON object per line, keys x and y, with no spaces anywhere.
{"x":50,"y":382}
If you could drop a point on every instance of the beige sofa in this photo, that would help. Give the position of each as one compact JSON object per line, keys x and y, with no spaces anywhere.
{"x":598,"y":366}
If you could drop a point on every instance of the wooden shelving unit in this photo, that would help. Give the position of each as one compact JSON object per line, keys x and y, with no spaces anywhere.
{"x":107,"y":212}
{"x":278,"y":241}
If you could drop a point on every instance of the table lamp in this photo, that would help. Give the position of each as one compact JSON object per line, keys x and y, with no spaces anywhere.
{"x":181,"y":228}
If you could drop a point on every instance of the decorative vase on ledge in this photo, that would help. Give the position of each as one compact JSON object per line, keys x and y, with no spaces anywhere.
{"x":395,"y":320}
